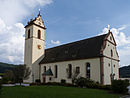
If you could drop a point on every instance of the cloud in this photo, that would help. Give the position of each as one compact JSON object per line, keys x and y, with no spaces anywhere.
{"x":122,"y":27}
{"x":12,"y":11}
{"x":55,"y":42}
{"x":123,"y":43}
{"x":12,"y":43}
{"x":12,"y":30}
{"x":124,"y":54}
{"x":2,"y":25}
{"x":120,"y":37}
{"x":33,"y":3}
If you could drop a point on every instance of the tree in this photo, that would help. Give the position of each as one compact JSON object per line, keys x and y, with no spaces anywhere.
{"x":8,"y":76}
{"x":0,"y":86}
{"x":21,"y":73}
{"x":26,"y":72}
{"x":120,"y":86}
{"x":75,"y":74}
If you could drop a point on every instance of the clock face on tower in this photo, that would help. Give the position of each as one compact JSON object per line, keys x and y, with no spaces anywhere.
{"x":39,"y":46}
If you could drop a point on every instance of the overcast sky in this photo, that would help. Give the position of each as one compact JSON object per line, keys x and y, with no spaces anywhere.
{"x":66,"y":21}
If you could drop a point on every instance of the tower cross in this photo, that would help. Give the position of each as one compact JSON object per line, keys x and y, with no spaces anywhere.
{"x":108,"y":27}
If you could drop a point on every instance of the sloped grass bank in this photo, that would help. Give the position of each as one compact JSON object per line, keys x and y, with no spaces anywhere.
{"x":54,"y":92}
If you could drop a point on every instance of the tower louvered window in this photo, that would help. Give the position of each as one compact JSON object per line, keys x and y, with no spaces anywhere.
{"x":29,"y":33}
{"x":39,"y":34}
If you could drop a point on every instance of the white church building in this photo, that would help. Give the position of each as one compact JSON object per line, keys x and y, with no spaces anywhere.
{"x":95,"y":58}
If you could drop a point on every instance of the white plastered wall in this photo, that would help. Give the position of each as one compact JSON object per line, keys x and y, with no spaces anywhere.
{"x":28,"y":52}
{"x":33,"y":55}
{"x":107,"y":60}
{"x":62,"y":66}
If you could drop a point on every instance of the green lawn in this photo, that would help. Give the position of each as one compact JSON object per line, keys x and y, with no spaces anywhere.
{"x":54,"y":92}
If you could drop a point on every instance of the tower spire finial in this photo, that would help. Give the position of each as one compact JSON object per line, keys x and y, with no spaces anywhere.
{"x":39,"y":12}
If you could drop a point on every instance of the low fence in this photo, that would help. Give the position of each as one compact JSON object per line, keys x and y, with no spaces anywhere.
{"x":23,"y":84}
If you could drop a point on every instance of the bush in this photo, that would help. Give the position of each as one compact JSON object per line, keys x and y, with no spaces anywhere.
{"x":104,"y":87}
{"x":107,"y":87}
{"x":59,"y":84}
{"x":83,"y":82}
{"x":120,"y":86}
{"x":55,"y":84}
{"x":5,"y":80}
{"x":63,"y":81}
{"x":38,"y":81}
{"x":0,"y":86}
{"x":69,"y":85}
{"x":52,"y":83}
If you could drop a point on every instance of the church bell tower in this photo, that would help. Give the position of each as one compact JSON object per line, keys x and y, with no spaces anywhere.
{"x":34,"y":46}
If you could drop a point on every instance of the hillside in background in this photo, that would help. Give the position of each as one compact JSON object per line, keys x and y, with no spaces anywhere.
{"x":5,"y":66}
{"x":124,"y":72}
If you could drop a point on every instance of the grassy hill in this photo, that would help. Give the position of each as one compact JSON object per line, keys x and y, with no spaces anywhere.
{"x":5,"y":66}
{"x":124,"y":72}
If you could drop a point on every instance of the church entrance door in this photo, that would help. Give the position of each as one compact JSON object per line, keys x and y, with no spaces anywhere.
{"x":44,"y":79}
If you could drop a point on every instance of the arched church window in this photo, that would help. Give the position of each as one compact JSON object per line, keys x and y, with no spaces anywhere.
{"x":29,"y":33}
{"x":70,"y":70}
{"x":114,"y":65}
{"x":111,"y":53}
{"x":39,"y":34}
{"x":56,"y":71}
{"x":44,"y":69}
{"x":109,"y":64}
{"x":88,"y":70}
